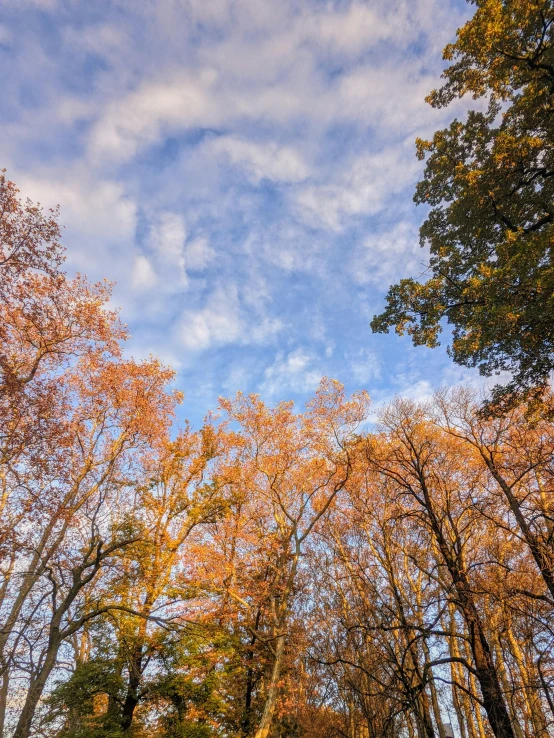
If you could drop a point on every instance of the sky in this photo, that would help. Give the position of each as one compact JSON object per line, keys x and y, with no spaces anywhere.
{"x":243,"y":170}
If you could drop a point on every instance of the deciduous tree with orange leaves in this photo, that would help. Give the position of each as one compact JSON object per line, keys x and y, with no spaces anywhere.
{"x":277,"y":573}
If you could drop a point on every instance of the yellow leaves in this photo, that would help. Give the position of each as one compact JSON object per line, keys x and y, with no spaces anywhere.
{"x":423,"y":146}
{"x":488,"y":181}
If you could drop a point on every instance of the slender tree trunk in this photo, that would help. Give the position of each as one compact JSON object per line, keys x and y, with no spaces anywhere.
{"x":420,"y":726}
{"x":4,"y":686}
{"x":458,"y":708}
{"x":410,"y":726}
{"x":486,"y":674}
{"x":543,"y":558}
{"x":471,"y":707}
{"x":36,"y":688}
{"x":450,"y":626}
{"x":133,"y":686}
{"x":351,"y":720}
{"x":475,"y":726}
{"x":485,"y":671}
{"x":273,"y":690}
{"x":434,"y":695}
{"x":531,"y":696}
{"x":423,"y":716}
{"x":247,"y":715}
{"x":546,"y":688}
{"x":245,"y":726}
{"x":507,"y":688}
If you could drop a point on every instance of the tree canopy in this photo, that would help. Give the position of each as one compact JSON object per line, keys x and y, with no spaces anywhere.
{"x":278,"y":573}
{"x":489,"y":182}
{"x":284,"y":572}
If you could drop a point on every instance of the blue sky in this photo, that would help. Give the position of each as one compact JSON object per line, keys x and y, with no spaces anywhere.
{"x":243,"y":169}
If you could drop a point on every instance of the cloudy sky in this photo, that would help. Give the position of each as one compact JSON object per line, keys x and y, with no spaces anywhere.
{"x":243,"y":169}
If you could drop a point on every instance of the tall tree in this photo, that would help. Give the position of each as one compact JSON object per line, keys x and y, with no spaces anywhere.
{"x":177,"y":495}
{"x":74,"y":418}
{"x":287,"y":470}
{"x":490,"y":183}
{"x":432,"y":476}
{"x":518,"y":451}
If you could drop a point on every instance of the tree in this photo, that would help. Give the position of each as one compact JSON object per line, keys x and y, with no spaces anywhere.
{"x":490,"y":184}
{"x":175,"y":495}
{"x":75,"y":417}
{"x":434,"y":478}
{"x":276,"y":573}
{"x":180,"y":696}
{"x":518,"y":451}
{"x":424,"y":578}
{"x":287,"y":470}
{"x":376,"y":645}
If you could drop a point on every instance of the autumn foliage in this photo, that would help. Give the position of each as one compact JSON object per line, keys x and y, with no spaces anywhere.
{"x":488,"y":180}
{"x":280,"y":573}
{"x":274,"y":573}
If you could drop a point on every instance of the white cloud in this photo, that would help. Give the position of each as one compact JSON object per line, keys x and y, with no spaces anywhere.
{"x":101,"y":38}
{"x":363,"y":187}
{"x":365,"y":366}
{"x":198,"y":254}
{"x":163,"y":265}
{"x":225,"y":318}
{"x":155,"y":108}
{"x":211,"y":99}
{"x":354,"y":28}
{"x":41,"y":4}
{"x":213,"y":12}
{"x":216,"y":324}
{"x":99,"y":215}
{"x":266,"y":65}
{"x":6,"y":35}
{"x":263,"y":329}
{"x":388,"y":96}
{"x":292,"y":372}
{"x":260,"y":160}
{"x":420,"y":391}
{"x":353,"y":31}
{"x":143,"y":276}
{"x":388,"y":254}
{"x":167,"y":240}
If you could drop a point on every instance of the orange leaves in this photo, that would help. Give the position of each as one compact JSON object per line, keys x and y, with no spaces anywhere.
{"x":290,"y":461}
{"x":28,"y":238}
{"x":78,"y":422}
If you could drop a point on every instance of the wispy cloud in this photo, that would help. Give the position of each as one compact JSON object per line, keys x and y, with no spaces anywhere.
{"x":242,"y":169}
{"x":295,"y":372}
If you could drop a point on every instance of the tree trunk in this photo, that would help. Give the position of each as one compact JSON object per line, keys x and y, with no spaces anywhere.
{"x":36,"y":688}
{"x":434,"y":695}
{"x":531,"y":696}
{"x":471,"y":708}
{"x":505,"y":683}
{"x":247,"y":714}
{"x":132,"y":696}
{"x":423,"y":717}
{"x":272,"y":693}
{"x":485,"y":671}
{"x":4,"y":685}
{"x":542,"y":558}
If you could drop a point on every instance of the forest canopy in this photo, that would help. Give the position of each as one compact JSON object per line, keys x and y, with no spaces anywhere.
{"x":275,"y":572}
{"x":326,"y":571}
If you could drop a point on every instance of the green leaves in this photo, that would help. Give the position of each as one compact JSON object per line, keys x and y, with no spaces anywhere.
{"x":82,"y":703}
{"x":490,"y":183}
